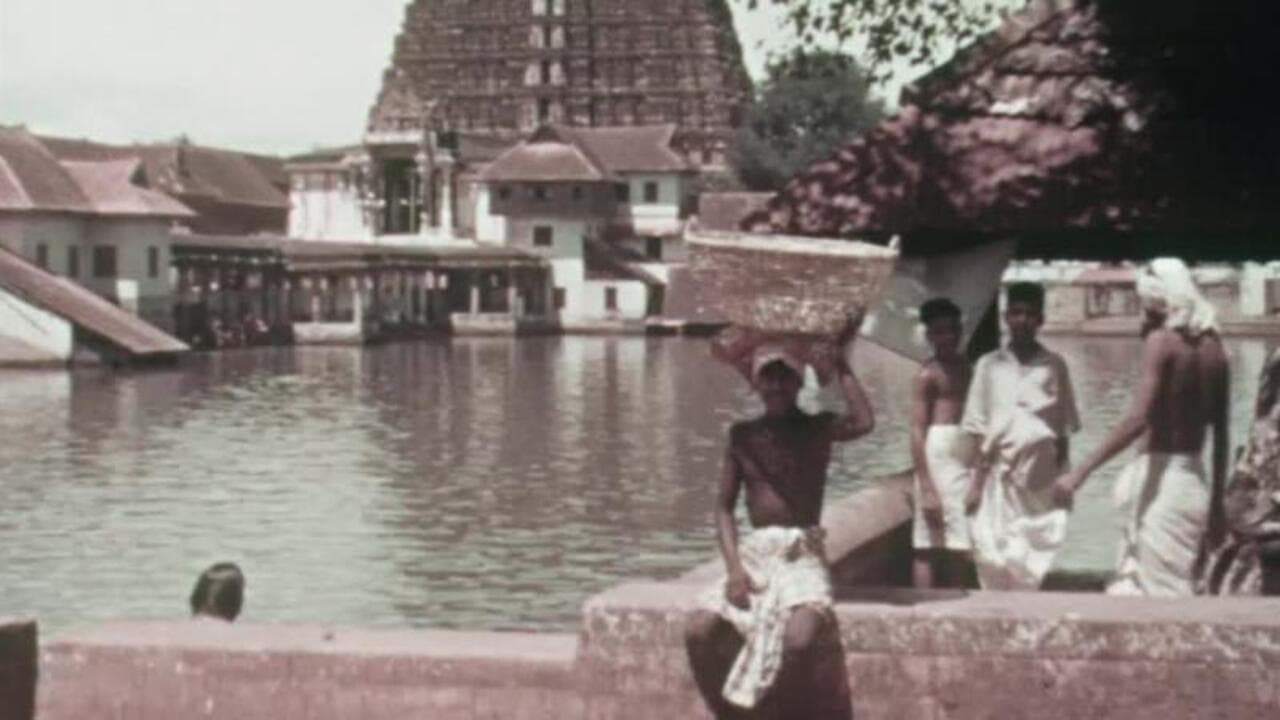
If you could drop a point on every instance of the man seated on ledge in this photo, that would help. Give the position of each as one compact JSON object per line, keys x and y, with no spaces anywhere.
{"x":219,"y":593}
{"x":776,"y":596}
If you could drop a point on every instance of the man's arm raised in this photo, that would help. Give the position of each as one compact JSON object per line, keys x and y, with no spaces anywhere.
{"x":1131,"y":426}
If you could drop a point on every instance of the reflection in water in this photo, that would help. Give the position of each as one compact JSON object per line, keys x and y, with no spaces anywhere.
{"x":489,"y":483}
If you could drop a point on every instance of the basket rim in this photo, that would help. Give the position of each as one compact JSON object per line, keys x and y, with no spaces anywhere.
{"x":790,"y":244}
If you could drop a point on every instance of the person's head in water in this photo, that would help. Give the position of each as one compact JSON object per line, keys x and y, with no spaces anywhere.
{"x":1024,"y":313}
{"x":219,"y":592}
{"x":778,"y":377}
{"x":942,"y":328}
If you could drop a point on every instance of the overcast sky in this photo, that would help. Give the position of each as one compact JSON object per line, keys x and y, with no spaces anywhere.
{"x":277,"y":76}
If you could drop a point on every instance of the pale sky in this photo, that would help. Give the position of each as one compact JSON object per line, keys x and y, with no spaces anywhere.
{"x":275,"y":76}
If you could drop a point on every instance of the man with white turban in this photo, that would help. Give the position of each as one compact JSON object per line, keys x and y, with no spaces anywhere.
{"x":1168,"y":506}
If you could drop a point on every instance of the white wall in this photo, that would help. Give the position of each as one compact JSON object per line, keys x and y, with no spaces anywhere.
{"x":569,"y":274}
{"x":633,"y":299}
{"x":656,"y":218}
{"x":133,"y":287}
{"x":333,"y":214}
{"x":31,"y":335}
{"x":490,"y":228}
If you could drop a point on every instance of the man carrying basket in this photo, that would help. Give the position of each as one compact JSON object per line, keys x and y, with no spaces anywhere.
{"x":776,"y":595}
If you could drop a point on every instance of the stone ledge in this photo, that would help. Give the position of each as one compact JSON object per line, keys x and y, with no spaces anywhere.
{"x":245,"y":672}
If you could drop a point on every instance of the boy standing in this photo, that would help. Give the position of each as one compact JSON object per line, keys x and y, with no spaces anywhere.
{"x":1021,"y":408}
{"x":939,"y":448}
{"x":777,"y":593}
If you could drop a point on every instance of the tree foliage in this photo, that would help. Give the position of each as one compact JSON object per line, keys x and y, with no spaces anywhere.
{"x":912,"y":31}
{"x":810,"y":103}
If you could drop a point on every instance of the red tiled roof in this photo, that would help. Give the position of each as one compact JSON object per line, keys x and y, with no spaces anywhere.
{"x":186,"y":170}
{"x":547,"y":158}
{"x":1046,"y":124}
{"x":639,"y":149}
{"x":32,"y":179}
{"x":84,"y":309}
{"x":110,"y":190}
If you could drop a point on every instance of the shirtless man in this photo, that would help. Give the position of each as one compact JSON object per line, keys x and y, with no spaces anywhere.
{"x":1170,"y":508}
{"x":776,"y":595}
{"x":939,"y":449}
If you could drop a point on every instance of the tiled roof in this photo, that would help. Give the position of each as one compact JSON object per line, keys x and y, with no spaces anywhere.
{"x":31,"y":178}
{"x":562,"y":153}
{"x":1047,"y":124}
{"x":109,"y":187}
{"x":84,"y":309}
{"x":639,"y":149}
{"x":185,"y":170}
{"x":544,"y":159}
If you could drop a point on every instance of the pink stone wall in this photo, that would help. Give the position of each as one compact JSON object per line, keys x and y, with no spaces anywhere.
{"x":958,"y":655}
{"x":162,"y":671}
{"x":17,"y":669}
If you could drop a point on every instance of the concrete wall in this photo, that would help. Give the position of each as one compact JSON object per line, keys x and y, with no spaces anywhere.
{"x":321,"y":209}
{"x":633,"y":299}
{"x":18,"y":669}
{"x":654,"y":218}
{"x":32,"y":336}
{"x":164,"y":671}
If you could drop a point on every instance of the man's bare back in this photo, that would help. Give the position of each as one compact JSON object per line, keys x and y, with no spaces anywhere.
{"x":1192,"y":391}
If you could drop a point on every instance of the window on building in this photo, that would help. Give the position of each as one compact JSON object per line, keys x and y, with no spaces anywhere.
{"x":577,"y":193}
{"x":544,"y":236}
{"x":544,"y":110}
{"x":611,"y":299}
{"x":539,"y":193}
{"x":42,"y":255}
{"x":73,"y":262}
{"x":539,"y":7}
{"x":651,"y":192}
{"x":557,"y":7}
{"x":504,"y":192}
{"x":153,"y":262}
{"x":653,"y":248}
{"x":104,"y":261}
{"x":557,"y":298}
{"x":622,"y":192}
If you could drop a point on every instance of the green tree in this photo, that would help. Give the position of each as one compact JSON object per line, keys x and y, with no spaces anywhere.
{"x":810,"y":103}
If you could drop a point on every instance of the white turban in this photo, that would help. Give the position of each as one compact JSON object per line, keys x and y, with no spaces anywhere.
{"x":1167,"y":287}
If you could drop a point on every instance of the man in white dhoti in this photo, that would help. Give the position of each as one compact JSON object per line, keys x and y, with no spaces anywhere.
{"x":1169,"y":507}
{"x":941,"y":452}
{"x":776,"y":595}
{"x":1021,"y":409}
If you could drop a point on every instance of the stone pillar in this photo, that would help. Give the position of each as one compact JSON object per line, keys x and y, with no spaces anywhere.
{"x":357,"y":300}
{"x":422,"y":162}
{"x":513,"y":294}
{"x":474,"y":289}
{"x":1253,"y":290}
{"x":446,"y":164}
{"x":317,"y":308}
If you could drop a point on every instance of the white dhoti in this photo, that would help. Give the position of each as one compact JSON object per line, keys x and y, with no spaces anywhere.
{"x":1163,"y":501}
{"x":947,"y":453}
{"x":789,"y":565}
{"x":1018,"y":530}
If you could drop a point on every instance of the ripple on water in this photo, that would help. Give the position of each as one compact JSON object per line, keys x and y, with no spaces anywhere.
{"x":474,"y":483}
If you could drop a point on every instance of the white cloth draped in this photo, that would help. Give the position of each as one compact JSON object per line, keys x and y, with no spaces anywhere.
{"x":1163,"y":501}
{"x":1020,"y":411}
{"x":790,"y":567}
{"x":947,"y":453}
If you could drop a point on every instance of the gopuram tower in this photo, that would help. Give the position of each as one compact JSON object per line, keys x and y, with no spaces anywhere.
{"x":503,"y":67}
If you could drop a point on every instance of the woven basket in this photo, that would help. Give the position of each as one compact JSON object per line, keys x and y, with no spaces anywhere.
{"x":781,"y":283}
